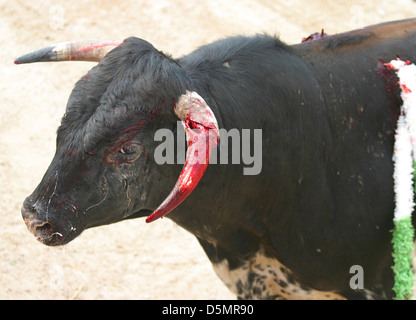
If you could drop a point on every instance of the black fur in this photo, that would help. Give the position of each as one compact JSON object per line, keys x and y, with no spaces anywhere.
{"x":323,"y":201}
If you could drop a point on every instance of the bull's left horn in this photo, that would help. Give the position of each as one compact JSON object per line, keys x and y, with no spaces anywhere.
{"x":86,"y":50}
{"x":202,"y":135}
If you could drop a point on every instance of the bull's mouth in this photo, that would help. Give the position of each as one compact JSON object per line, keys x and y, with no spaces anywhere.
{"x":45,"y":235}
{"x":54,"y":239}
{"x":55,"y":234}
{"x":44,"y":232}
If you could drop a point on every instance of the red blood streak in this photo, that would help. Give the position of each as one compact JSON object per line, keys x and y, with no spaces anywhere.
{"x":71,"y":152}
{"x":315,"y":36}
{"x":89,"y":48}
{"x":404,"y":88}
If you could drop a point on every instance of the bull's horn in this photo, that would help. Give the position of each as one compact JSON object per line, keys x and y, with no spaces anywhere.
{"x":202,"y":135}
{"x":87,"y":50}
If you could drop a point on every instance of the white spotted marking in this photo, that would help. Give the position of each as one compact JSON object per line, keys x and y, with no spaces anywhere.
{"x":265,"y":278}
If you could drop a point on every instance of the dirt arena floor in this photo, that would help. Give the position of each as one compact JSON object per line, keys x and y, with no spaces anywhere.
{"x":132,"y":259}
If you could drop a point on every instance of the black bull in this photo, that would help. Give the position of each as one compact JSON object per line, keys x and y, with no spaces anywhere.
{"x":323,"y":201}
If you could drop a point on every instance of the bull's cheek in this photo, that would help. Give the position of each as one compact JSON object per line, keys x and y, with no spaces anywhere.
{"x":101,"y":207}
{"x":127,"y":193}
{"x":134,"y":195}
{"x":114,"y":201}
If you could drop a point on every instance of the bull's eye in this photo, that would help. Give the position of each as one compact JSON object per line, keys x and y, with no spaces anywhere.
{"x":126,"y":153}
{"x":128,"y":150}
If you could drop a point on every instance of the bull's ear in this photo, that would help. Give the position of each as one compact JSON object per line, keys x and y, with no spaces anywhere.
{"x":86,"y":50}
{"x":202,"y":135}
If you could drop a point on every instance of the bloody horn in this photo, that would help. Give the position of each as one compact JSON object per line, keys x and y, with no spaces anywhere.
{"x":202,"y":135}
{"x":87,"y":50}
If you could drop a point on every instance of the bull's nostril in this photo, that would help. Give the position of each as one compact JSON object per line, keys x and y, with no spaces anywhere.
{"x":44,"y":228}
{"x":45,"y":232}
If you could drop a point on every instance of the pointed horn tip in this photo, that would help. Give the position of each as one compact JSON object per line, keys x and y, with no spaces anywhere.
{"x":44,"y":54}
{"x":22,"y":60}
{"x":157,"y":214}
{"x":85,"y":50}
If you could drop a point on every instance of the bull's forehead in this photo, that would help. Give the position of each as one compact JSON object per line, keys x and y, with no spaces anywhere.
{"x":132,"y":86}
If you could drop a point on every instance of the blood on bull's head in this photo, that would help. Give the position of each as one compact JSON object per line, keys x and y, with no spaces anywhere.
{"x":103,"y":170}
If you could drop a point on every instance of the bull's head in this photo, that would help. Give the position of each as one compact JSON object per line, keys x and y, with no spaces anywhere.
{"x":103,"y":170}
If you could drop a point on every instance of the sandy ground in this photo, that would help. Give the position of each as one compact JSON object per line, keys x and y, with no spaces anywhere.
{"x":132,"y":259}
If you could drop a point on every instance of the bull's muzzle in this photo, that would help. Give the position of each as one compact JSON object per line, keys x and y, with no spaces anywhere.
{"x":49,"y":228}
{"x":43,"y":229}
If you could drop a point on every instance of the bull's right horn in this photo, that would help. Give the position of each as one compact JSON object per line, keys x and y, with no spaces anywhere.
{"x":202,"y":136}
{"x":87,"y":50}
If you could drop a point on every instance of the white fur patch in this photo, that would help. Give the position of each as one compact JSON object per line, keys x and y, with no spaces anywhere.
{"x":266,"y":278}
